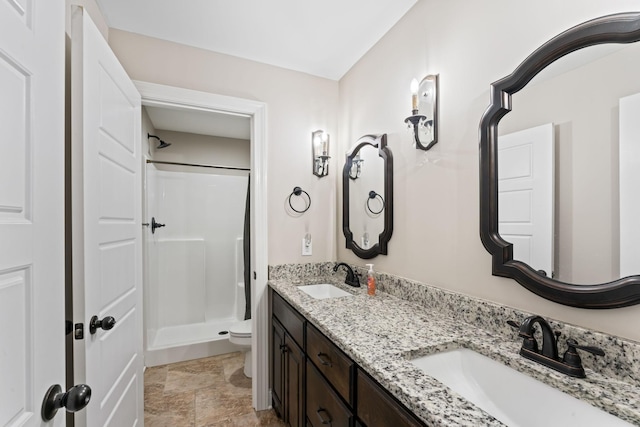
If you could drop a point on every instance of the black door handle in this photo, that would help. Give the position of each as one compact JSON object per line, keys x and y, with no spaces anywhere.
{"x":107,"y":323}
{"x":155,"y":225}
{"x":76,"y":398}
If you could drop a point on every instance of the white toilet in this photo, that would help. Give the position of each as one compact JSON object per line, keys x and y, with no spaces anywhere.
{"x":240,"y":334}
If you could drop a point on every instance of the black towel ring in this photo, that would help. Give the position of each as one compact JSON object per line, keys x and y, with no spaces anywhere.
{"x":374,"y":195}
{"x":297,"y":191}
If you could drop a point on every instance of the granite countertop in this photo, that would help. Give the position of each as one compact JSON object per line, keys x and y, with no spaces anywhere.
{"x":382,"y":333}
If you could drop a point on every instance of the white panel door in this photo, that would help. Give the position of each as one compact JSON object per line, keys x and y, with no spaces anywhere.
{"x":107,"y":231}
{"x":31,"y":208}
{"x":525,"y":194}
{"x":629,"y":185}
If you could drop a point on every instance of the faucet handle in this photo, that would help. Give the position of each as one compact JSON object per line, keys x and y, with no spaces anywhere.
{"x":571,"y":356}
{"x":528,"y":342}
{"x":513,"y":324}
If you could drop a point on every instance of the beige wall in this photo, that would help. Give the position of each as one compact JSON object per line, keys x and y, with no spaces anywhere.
{"x":202,"y":149}
{"x":470,"y":44}
{"x":297,"y":105}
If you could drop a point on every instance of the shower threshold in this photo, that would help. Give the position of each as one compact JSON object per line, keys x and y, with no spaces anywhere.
{"x":187,"y":342}
{"x":172,"y":336}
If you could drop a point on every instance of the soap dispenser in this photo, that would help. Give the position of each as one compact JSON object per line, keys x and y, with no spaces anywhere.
{"x":371,"y":281}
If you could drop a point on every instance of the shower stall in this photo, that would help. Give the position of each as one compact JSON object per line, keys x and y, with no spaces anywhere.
{"x":194,"y":264}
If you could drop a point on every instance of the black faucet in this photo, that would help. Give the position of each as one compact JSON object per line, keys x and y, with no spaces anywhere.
{"x":549,"y":343}
{"x":352,"y":279}
{"x":570,"y":364}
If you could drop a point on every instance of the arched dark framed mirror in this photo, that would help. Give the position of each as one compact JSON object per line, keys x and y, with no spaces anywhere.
{"x":617,"y":30}
{"x":367,"y":197}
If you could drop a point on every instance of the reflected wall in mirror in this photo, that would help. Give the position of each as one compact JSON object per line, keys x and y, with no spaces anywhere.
{"x":367,"y":222}
{"x":586,"y":104}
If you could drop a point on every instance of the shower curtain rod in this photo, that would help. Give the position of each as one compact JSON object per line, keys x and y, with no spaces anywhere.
{"x":200,"y":166}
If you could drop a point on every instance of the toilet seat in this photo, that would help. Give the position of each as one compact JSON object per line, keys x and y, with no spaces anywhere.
{"x":241,"y":329}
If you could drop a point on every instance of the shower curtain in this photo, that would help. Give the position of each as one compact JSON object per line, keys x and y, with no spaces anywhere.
{"x":246,"y":246}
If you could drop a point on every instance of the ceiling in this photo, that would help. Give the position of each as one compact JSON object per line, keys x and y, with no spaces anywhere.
{"x":322,"y":38}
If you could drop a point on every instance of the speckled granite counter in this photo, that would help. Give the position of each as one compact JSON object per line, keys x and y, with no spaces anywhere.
{"x":384,"y":332}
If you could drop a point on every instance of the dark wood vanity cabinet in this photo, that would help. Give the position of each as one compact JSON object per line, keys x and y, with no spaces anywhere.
{"x":316,"y":384}
{"x":287,"y":362}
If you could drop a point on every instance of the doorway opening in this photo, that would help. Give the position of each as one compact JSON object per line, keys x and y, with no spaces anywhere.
{"x":187,"y":105}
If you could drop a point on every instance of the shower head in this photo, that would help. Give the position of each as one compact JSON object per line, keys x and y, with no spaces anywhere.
{"x":162,"y":144}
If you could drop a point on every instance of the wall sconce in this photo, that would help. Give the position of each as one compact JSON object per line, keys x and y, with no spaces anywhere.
{"x":424,"y":112}
{"x":356,"y":167}
{"x":320,"y":152}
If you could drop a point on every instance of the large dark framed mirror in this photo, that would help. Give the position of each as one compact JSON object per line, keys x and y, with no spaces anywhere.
{"x":367,"y":197}
{"x":602,"y":58}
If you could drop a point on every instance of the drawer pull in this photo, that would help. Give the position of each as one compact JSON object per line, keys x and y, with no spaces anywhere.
{"x":324,"y":359}
{"x":324,"y":419}
{"x":283,"y":348}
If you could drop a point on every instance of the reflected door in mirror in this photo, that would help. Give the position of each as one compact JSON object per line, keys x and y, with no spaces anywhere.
{"x":525,"y":195}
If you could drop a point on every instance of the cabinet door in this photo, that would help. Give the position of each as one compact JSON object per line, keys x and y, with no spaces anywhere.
{"x":324,"y":407}
{"x":277,"y":367}
{"x":376,"y":407}
{"x":294,"y":383}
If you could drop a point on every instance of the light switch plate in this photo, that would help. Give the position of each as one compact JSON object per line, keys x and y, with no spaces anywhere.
{"x":307,"y":249}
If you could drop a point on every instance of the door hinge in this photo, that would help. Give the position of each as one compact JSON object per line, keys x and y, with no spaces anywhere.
{"x":79,"y":331}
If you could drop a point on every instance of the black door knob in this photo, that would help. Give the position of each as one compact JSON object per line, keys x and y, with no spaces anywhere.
{"x":107,"y":323}
{"x":76,"y":398}
{"x":155,"y":225}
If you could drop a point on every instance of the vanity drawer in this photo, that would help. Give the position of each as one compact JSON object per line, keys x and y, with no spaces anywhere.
{"x":324,"y":407}
{"x":331,"y":361}
{"x":376,"y":407}
{"x":289,"y":318}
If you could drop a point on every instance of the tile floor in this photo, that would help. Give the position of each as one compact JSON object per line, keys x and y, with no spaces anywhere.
{"x":202,"y":393}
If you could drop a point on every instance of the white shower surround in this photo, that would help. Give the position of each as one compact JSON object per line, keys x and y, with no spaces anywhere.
{"x":195,"y":262}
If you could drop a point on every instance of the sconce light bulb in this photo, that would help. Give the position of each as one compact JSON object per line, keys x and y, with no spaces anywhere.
{"x":414,"y":94}
{"x":414,"y":87}
{"x":325,"y":144}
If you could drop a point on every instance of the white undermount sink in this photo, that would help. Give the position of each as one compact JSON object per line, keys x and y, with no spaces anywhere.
{"x":512,"y":397}
{"x":323,"y":291}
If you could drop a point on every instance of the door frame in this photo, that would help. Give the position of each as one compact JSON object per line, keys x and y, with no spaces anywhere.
{"x":158,"y":95}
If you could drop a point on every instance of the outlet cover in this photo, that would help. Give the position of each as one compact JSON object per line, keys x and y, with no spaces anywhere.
{"x":307,"y":249}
